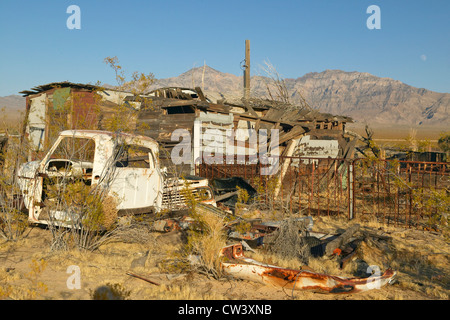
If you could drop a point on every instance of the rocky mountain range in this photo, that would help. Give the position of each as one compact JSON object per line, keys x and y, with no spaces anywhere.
{"x":11,"y":107}
{"x":362,"y":96}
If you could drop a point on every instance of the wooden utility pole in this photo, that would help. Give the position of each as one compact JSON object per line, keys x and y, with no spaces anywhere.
{"x":247,"y":79}
{"x":247,"y":71}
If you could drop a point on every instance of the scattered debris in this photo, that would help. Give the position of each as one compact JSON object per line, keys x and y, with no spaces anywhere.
{"x":289,"y":239}
{"x":341,"y":240}
{"x":239,"y":266}
{"x":226,"y":191}
{"x":132,"y":274}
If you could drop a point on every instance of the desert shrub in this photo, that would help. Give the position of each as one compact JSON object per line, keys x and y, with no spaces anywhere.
{"x":289,"y":242}
{"x":204,"y":240}
{"x":110,"y":291}
{"x":13,"y":222}
{"x":444,"y":142}
{"x":33,"y":287}
{"x":91,"y":217}
{"x":265,"y":192}
{"x":435,"y":204}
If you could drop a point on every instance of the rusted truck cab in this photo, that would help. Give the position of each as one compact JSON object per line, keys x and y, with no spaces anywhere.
{"x":126,"y":165}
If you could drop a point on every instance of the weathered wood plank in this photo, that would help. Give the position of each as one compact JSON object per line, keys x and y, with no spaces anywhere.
{"x":341,"y":240}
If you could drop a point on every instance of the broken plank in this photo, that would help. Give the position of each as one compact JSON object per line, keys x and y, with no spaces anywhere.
{"x":341,"y":240}
{"x":225,"y":196}
{"x":287,"y":152}
{"x":294,"y":133}
{"x":200,"y":94}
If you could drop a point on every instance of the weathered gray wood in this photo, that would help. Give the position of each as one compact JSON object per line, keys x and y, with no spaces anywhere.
{"x":341,"y":240}
{"x":225,"y":196}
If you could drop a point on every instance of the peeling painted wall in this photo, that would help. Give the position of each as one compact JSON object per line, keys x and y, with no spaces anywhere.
{"x":36,"y":122}
{"x":306,"y":147}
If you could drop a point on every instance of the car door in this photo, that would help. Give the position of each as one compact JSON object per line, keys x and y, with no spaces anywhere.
{"x":137,"y":180}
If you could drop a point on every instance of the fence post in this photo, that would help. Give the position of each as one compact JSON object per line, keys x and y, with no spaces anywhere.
{"x":350,"y":191}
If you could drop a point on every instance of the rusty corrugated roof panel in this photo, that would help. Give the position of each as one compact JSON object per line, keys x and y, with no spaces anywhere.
{"x":64,"y":84}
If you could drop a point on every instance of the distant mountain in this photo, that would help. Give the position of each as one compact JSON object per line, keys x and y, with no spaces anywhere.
{"x":12,"y":106}
{"x":217,"y":85}
{"x":362,"y":96}
{"x":372,"y":99}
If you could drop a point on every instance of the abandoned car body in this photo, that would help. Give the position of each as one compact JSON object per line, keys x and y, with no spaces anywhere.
{"x":236,"y":264}
{"x":126,"y":165}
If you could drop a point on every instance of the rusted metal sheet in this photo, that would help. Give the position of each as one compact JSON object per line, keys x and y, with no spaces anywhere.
{"x":237,"y":265}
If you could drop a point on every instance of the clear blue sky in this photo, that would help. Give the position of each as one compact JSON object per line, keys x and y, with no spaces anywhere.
{"x":168,"y":38}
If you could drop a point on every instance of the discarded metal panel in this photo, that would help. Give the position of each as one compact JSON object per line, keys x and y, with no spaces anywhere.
{"x":127,"y":165}
{"x":178,"y":191}
{"x":239,"y":266}
{"x":306,"y":147}
{"x":36,"y":122}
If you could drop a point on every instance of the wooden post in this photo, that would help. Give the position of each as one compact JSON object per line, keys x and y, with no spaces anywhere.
{"x":247,"y":79}
{"x":247,"y":71}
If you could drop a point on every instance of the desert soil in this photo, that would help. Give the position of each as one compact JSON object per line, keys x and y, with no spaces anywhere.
{"x":420,"y":258}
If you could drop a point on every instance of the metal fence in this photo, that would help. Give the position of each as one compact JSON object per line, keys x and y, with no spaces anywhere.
{"x":401,"y":192}
{"x":410,"y":193}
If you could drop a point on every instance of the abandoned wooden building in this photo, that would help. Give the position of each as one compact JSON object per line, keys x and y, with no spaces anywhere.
{"x":57,"y":106}
{"x":157,"y":114}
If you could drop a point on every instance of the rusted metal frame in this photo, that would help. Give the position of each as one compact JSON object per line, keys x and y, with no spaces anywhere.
{"x":350,"y":189}
{"x":337,"y":187}
{"x":410,"y":196}
{"x":422,"y":188}
{"x":328,"y":194}
{"x":298,"y":177}
{"x":374,"y":178}
{"x":435,"y":187}
{"x":335,"y":175}
{"x":392,"y":210}
{"x":344,"y":197}
{"x":402,"y":204}
{"x":417,"y":210}
{"x":386,"y":194}
{"x":311,"y":183}
{"x":396,"y":208}
{"x":318,"y":190}
{"x":132,"y":274}
{"x":364,"y":189}
{"x":389,"y":195}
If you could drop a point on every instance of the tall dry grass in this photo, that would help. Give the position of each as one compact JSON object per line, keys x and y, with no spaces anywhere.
{"x":205,"y":242}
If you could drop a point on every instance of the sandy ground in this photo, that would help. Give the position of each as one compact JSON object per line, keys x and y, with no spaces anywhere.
{"x":420,"y":258}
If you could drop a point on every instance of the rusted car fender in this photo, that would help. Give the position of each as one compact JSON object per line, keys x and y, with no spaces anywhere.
{"x":239,"y":266}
